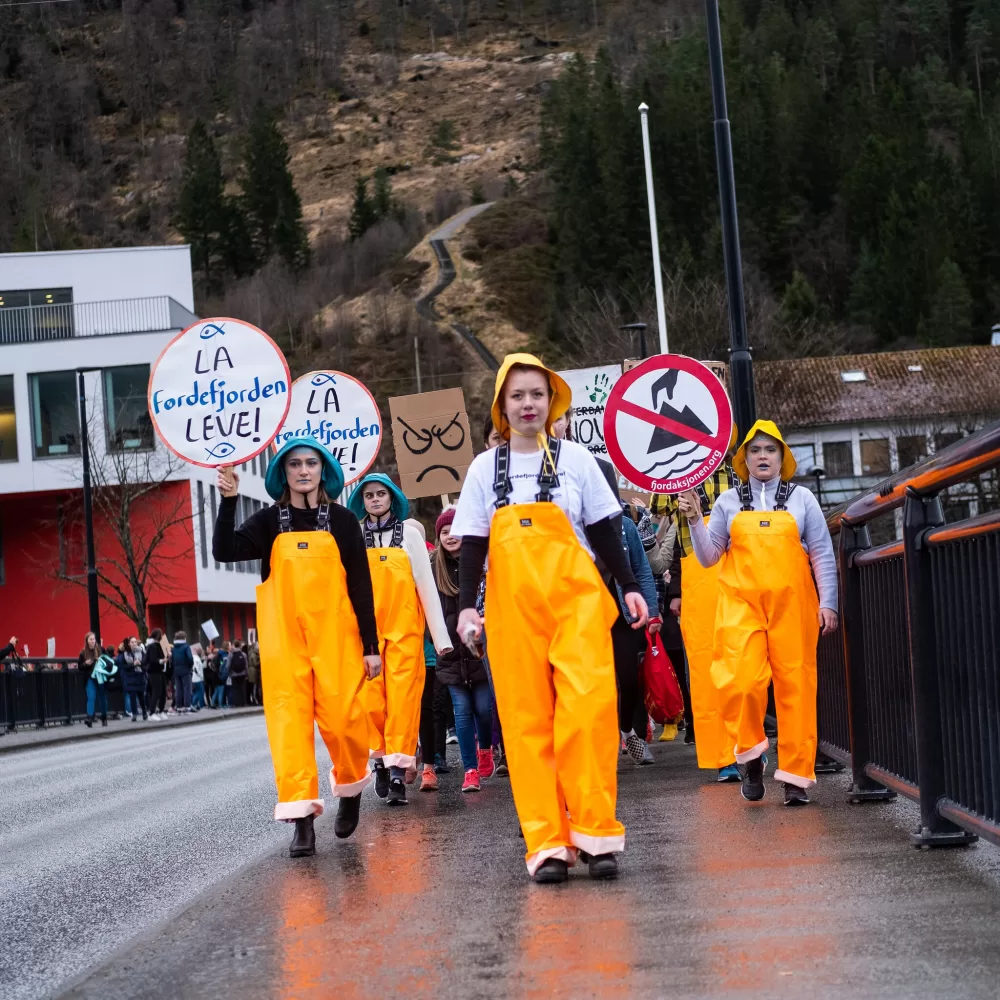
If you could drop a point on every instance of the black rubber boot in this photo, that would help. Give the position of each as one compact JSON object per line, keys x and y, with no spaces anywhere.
{"x":104,"y":720}
{"x":552,"y":870}
{"x":381,"y":773}
{"x":752,"y":788}
{"x":603,"y":866}
{"x":795,"y":796}
{"x":348,"y":813}
{"x":89,"y":722}
{"x":397,"y":792}
{"x":304,"y":839}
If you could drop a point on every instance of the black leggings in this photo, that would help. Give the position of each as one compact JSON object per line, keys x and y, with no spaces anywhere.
{"x":680,"y":668}
{"x":629,"y":645}
{"x":157,"y":693}
{"x":434,"y":705}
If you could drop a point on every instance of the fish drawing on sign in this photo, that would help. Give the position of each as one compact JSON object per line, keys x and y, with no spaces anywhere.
{"x":676,"y":454}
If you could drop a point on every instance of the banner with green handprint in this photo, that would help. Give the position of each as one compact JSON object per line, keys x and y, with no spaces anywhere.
{"x":591,"y":388}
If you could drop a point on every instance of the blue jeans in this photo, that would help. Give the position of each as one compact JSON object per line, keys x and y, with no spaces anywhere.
{"x":219,"y":695}
{"x":198,"y":694}
{"x":473,"y":706}
{"x":182,"y":689}
{"x":96,"y":693}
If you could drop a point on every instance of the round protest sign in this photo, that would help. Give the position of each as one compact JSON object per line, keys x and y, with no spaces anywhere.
{"x":218,"y":392}
{"x":667,"y":424}
{"x":340,"y":413}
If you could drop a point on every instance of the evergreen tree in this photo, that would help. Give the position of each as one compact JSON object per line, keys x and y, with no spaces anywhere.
{"x":949,"y":320}
{"x":206,"y":218}
{"x":363,"y":213}
{"x":383,"y":203}
{"x":270,"y":200}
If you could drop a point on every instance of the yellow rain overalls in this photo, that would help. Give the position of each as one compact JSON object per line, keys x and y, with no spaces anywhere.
{"x":699,"y":597}
{"x":312,"y":668}
{"x":549,"y":618}
{"x":392,"y":700}
{"x":767,"y":625}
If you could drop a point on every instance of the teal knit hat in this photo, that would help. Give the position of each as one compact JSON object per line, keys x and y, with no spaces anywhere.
{"x":400,"y":505}
{"x":275,"y":480}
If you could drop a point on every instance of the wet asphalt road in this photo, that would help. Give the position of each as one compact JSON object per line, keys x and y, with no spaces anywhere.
{"x":716,"y":899}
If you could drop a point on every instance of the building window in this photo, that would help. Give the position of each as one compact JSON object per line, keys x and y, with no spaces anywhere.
{"x":55,"y":414}
{"x":911,"y":449}
{"x":941,"y":441}
{"x":875,"y":457}
{"x":838,"y":459}
{"x":805,"y":458}
{"x":125,"y":408}
{"x":8,"y":423}
{"x":52,"y":316}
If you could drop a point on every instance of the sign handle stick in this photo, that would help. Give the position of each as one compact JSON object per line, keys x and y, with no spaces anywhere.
{"x":445,"y":500}
{"x":661,"y":315}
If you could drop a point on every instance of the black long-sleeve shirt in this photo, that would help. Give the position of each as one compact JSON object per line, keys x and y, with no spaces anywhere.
{"x":255,"y":537}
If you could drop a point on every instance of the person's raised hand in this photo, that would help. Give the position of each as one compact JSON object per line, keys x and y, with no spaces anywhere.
{"x":227,"y":481}
{"x":13,"y":640}
{"x":637,"y":609}
{"x":689,"y":504}
{"x":373,"y":666}
{"x":828,"y":621}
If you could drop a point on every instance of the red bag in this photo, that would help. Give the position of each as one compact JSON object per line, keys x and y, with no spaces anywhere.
{"x":664,"y":701}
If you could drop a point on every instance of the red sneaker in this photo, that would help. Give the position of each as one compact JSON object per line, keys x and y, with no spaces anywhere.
{"x":485,"y":763}
{"x":471,"y":783}
{"x":428,"y":779}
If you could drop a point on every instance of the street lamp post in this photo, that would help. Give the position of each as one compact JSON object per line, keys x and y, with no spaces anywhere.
{"x":639,"y":328}
{"x":740,"y":361}
{"x":661,"y":313}
{"x":88,"y":508}
{"x":819,"y":474}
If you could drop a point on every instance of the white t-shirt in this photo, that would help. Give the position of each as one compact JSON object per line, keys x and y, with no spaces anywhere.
{"x":583,"y":492}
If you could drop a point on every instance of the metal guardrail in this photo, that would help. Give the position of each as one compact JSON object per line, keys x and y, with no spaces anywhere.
{"x":917,"y":671}
{"x":62,"y":321}
{"x":48,"y":692}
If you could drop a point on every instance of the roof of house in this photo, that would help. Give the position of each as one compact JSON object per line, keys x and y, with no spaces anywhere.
{"x":897,"y":385}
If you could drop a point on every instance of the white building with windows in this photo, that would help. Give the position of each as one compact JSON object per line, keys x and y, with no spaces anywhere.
{"x":854,"y":420}
{"x":106,"y":314}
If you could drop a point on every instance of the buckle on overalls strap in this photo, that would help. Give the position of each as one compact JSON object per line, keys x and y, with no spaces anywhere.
{"x":397,"y":536}
{"x":284,"y":518}
{"x":548,"y":479}
{"x":782,"y":494}
{"x":323,"y":517}
{"x":746,"y":496}
{"x":501,"y":481}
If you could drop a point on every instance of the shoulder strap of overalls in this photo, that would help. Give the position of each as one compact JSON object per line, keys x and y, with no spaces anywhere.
{"x":323,"y":517}
{"x":703,"y":497}
{"x":397,"y":536}
{"x":746,"y":495}
{"x":501,"y":480}
{"x":284,"y":518}
{"x":784,"y":491}
{"x":548,"y":478}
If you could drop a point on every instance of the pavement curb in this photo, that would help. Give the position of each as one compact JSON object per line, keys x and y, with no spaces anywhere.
{"x":90,"y":734}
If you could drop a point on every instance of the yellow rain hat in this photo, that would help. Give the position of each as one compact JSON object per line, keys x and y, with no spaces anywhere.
{"x":770,"y":428}
{"x":562,"y":395}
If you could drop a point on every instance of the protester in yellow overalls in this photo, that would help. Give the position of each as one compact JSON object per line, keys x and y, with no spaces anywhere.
{"x":405,"y":598}
{"x":316,"y":626}
{"x":541,"y":508}
{"x":769,"y":615}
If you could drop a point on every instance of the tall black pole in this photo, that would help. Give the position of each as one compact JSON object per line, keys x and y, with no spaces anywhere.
{"x":740,"y":361}
{"x":88,"y":513}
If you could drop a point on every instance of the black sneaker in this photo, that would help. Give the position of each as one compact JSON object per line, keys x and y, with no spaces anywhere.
{"x":381,"y":773}
{"x":397,"y":792}
{"x":347,"y":816}
{"x":303,"y":843}
{"x":603,"y":866}
{"x":500,"y":762}
{"x":552,"y":870}
{"x":752,"y":772}
{"x":440,"y":765}
{"x":795,"y":796}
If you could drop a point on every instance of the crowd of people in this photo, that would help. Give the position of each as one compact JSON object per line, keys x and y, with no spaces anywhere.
{"x":525,"y":622}
{"x":160,"y":678}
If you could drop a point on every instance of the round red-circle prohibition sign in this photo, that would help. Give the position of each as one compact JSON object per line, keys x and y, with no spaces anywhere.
{"x":691,"y":413}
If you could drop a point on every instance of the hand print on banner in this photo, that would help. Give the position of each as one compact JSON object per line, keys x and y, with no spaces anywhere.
{"x":599,"y":388}
{"x":433,"y":442}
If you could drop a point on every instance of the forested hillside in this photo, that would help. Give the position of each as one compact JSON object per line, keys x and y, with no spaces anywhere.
{"x":865,"y":141}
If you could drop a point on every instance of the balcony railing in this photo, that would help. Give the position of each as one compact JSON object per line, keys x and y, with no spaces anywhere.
{"x":29,"y":324}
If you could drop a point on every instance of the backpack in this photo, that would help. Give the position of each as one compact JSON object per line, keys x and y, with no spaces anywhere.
{"x":222,"y":666}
